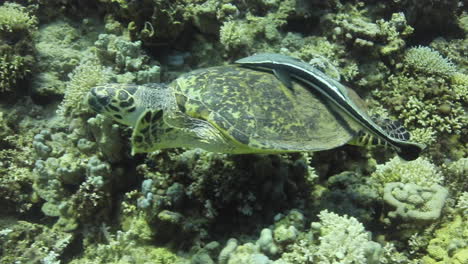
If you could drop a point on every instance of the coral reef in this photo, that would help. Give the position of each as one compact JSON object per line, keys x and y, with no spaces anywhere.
{"x":71,"y":192}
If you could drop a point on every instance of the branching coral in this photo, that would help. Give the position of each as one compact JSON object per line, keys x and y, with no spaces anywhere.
{"x":424,"y":102}
{"x":16,"y":28}
{"x":44,"y":246}
{"x":82,"y":79}
{"x":121,"y":247}
{"x":246,"y":34}
{"x":341,"y":239}
{"x":352,"y":26}
{"x":427,"y":60}
{"x":419,"y":171}
{"x":15,"y":18}
{"x":12,"y":69}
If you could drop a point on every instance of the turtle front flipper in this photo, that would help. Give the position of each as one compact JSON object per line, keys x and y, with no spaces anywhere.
{"x":147,"y":131}
{"x":198,"y":133}
{"x":158,"y":129}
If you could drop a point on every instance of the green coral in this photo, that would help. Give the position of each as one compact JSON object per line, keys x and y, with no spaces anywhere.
{"x":449,"y":244}
{"x":427,"y":60}
{"x":121,"y":247}
{"x":15,"y":18}
{"x":25,"y":242}
{"x":425,"y":102}
{"x":16,"y":28}
{"x":256,"y":32}
{"x":15,"y":155}
{"x":87,"y":75}
{"x":462,"y":204}
{"x":12,"y":68}
{"x":455,"y":173}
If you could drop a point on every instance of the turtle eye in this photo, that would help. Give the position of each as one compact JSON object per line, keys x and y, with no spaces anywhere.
{"x":102,"y":98}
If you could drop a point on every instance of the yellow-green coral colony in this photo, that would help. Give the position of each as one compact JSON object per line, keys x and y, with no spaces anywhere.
{"x":234,"y":109}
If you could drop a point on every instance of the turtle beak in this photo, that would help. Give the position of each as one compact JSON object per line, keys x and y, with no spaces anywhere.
{"x":98,"y":99}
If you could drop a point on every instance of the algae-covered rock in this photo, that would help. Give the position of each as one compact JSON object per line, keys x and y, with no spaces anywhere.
{"x":450,"y":243}
{"x":25,"y":242}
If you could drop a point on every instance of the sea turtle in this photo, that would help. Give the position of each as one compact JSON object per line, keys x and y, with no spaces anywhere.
{"x":228,"y":109}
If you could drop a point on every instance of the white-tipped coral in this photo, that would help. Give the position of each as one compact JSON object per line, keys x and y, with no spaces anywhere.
{"x":419,"y":171}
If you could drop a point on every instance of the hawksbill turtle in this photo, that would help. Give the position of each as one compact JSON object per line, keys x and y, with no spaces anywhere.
{"x":235,"y":109}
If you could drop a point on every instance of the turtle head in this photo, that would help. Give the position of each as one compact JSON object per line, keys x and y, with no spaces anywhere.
{"x":125,"y":103}
{"x":118,"y":101}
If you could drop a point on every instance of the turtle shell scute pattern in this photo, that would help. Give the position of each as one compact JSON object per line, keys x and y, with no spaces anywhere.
{"x":254,"y":108}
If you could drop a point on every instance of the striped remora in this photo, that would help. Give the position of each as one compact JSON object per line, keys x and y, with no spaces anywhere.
{"x":287,"y":68}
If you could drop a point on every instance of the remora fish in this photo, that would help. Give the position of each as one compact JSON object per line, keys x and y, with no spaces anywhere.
{"x":286,"y":68}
